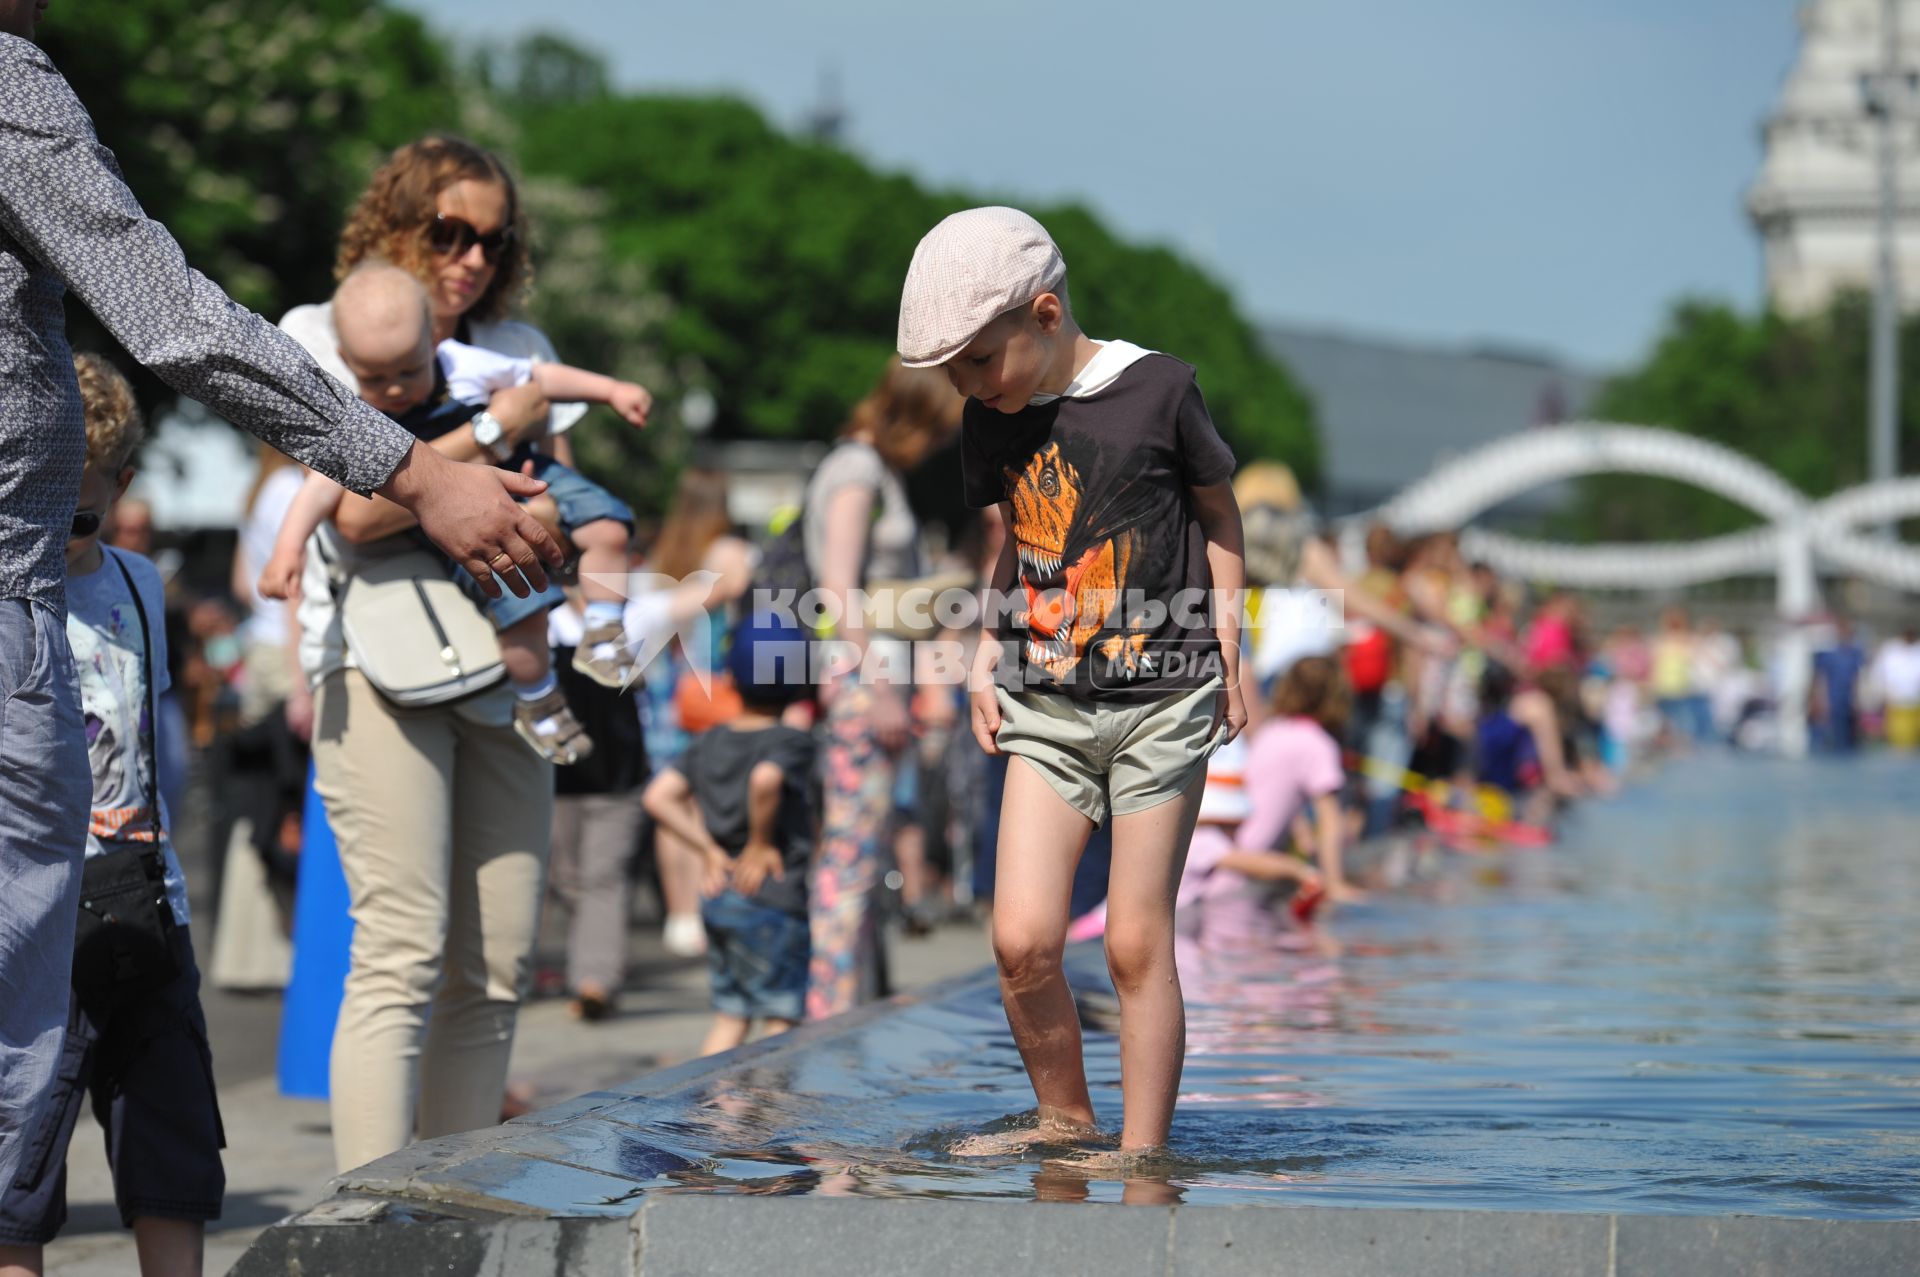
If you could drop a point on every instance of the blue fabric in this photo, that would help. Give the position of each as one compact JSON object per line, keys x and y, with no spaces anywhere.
{"x":1504,"y":752}
{"x":507,"y":611}
{"x":46,"y":792}
{"x":1839,"y":668}
{"x":768,"y":660}
{"x":757,"y":957}
{"x":149,"y":1071}
{"x":581,"y":500}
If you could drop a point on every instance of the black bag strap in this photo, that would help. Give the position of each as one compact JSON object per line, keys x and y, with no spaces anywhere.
{"x":149,"y":754}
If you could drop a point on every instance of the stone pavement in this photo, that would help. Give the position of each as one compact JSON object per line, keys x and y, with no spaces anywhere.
{"x":280,"y":1152}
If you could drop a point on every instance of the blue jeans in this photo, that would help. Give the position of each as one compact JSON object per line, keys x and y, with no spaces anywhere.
{"x":581,"y":501}
{"x":46,"y":794}
{"x":757,"y":957}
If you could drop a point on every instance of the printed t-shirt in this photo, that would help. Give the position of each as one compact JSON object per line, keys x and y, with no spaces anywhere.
{"x":717,"y":764}
{"x":1112,"y":562}
{"x":1290,"y":761}
{"x":121,"y":709}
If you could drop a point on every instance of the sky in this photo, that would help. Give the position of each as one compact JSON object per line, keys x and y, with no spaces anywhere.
{"x":1547,"y":175}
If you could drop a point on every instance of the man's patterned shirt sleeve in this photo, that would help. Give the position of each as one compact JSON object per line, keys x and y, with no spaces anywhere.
{"x":64,"y":207}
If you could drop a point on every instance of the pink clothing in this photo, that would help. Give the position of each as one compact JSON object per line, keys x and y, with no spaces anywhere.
{"x":1291,"y":761}
{"x":1550,"y":642}
{"x":1222,"y":908}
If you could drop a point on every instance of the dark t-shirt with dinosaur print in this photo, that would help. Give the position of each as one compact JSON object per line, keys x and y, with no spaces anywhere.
{"x":1112,"y":578}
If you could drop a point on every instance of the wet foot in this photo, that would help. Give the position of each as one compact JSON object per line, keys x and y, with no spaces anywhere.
{"x":1115,"y":1161}
{"x":1054,"y":1133}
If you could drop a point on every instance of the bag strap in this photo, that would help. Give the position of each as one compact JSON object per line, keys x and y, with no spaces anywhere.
{"x":149,"y":753}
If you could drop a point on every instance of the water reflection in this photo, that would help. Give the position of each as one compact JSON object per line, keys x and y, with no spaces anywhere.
{"x":1706,"y":1000}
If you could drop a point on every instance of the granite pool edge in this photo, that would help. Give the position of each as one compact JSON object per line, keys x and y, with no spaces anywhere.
{"x":692,"y":1234}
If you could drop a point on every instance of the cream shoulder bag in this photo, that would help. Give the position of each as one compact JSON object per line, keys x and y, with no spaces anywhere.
{"x":412,"y":631}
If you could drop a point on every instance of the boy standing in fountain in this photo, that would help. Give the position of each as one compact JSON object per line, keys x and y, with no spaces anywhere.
{"x":1124,"y":541}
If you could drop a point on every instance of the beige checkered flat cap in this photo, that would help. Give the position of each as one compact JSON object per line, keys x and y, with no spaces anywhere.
{"x":969,"y":270}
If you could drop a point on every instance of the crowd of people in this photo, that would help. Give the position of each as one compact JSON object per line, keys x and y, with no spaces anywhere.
{"x":792,"y":790}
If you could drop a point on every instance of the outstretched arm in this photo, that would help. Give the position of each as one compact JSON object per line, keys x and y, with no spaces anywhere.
{"x":564,"y":383}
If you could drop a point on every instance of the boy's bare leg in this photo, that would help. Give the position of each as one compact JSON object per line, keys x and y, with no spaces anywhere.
{"x":1149,"y":848}
{"x":169,"y":1247}
{"x":728,"y":1031}
{"x":603,"y":560}
{"x":524,"y":651}
{"x":679,"y":866}
{"x":1041,"y":838}
{"x":22,"y":1261}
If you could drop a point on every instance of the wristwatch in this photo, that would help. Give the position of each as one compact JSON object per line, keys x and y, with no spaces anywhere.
{"x":491,"y":436}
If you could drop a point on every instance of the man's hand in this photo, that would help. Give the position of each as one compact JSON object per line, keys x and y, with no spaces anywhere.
{"x":469,"y":511}
{"x":757,"y":863}
{"x":631,"y":402}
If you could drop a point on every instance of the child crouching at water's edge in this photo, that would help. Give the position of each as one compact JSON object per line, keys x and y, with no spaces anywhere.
{"x":1115,"y":488}
{"x":740,"y":794}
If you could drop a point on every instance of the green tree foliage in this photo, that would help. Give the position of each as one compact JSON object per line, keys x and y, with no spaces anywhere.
{"x":248,"y":126}
{"x":1790,"y":393}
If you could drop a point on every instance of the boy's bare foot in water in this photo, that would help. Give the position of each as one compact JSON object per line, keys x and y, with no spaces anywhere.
{"x":1115,"y":1161}
{"x":1054,"y":1131}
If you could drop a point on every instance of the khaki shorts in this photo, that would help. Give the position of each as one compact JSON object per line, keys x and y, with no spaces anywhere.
{"x":1106,"y":758}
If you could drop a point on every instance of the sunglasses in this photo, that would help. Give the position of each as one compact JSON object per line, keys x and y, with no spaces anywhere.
{"x":454,"y":237}
{"x":86,"y":523}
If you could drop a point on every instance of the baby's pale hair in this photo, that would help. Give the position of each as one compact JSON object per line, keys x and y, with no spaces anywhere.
{"x":377,"y":291}
{"x":115,"y":428}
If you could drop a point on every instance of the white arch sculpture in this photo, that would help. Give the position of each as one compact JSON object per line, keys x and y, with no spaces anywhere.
{"x":1797,"y":531}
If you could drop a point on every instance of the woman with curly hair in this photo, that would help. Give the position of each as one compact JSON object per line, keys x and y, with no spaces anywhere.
{"x":443,"y":816}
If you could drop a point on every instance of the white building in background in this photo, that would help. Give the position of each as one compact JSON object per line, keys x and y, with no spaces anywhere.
{"x":1816,"y":199}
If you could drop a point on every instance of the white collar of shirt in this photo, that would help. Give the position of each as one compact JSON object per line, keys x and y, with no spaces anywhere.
{"x":1112,"y":359}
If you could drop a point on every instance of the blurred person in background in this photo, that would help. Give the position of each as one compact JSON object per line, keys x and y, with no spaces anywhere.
{"x":132,"y":527}
{"x":1717,"y":662}
{"x":1552,"y":637}
{"x":743,"y":795}
{"x":1835,"y":703}
{"x":859,"y":529}
{"x":1896,"y":669}
{"x":1375,"y":658}
{"x":1672,"y":678}
{"x":697,"y":536}
{"x":1294,"y":773}
{"x":263,"y":771}
{"x":598,"y":812}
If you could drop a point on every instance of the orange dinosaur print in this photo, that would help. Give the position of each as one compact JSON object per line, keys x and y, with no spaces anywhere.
{"x":1070,"y":597}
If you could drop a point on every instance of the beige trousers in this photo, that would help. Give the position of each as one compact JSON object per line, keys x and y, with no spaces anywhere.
{"x":443,"y":818}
